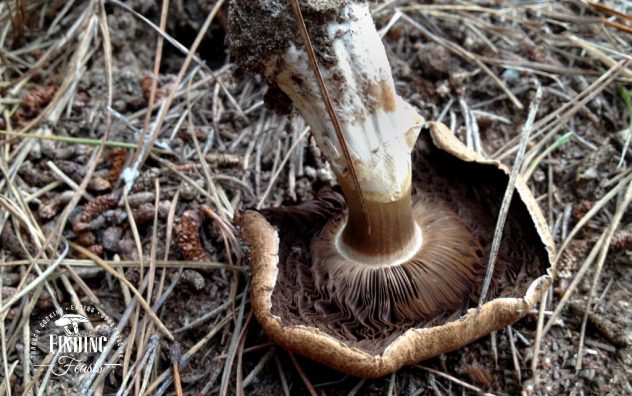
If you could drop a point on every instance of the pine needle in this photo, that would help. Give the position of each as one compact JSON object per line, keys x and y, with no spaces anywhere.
{"x":330,"y":108}
{"x":504,"y":208}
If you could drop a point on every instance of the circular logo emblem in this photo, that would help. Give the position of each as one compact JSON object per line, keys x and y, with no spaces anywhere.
{"x":70,"y":341}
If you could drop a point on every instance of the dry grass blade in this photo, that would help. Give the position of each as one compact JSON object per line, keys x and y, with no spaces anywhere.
{"x":130,"y":174}
{"x":41,"y":278}
{"x":68,"y":180}
{"x":514,"y":354}
{"x":49,"y":371}
{"x":622,"y":207}
{"x":301,"y":372}
{"x":531,"y":166}
{"x":280,"y":168}
{"x":176,"y":379}
{"x":504,"y":208}
{"x":124,"y":280}
{"x":617,"y":25}
{"x":3,"y":343}
{"x":206,"y":316}
{"x":625,"y":95}
{"x":538,"y":337}
{"x":453,"y":379}
{"x":391,"y":385}
{"x":153,"y":346}
{"x":156,"y":70}
{"x":571,"y":288}
{"x":219,"y":196}
{"x":232,"y":348}
{"x":78,"y":140}
{"x":189,"y":354}
{"x":596,"y":207}
{"x":62,"y":97}
{"x":598,"y":52}
{"x":38,"y":373}
{"x":560,"y":116}
{"x":286,"y":388}
{"x":264,"y":360}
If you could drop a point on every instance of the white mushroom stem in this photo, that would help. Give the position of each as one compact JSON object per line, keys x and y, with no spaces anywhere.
{"x":379,"y":127}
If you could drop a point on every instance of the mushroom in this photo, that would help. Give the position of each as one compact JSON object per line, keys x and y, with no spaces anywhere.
{"x":386,"y":275}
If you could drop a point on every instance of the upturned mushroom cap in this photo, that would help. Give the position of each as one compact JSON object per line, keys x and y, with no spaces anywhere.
{"x":450,"y":172}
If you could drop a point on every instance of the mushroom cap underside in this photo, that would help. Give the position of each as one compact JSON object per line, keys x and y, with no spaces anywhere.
{"x":444,"y":167}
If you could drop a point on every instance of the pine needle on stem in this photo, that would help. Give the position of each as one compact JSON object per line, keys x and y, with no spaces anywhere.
{"x":330,"y":108}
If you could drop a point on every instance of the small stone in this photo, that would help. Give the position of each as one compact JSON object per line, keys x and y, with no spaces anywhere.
{"x":539,"y":176}
{"x":587,"y":373}
{"x":443,"y":89}
{"x":310,"y":172}
{"x":193,"y":279}
{"x":511,"y":76}
{"x":325,"y":174}
{"x":163,"y":208}
{"x":111,"y":237}
{"x":188,"y":192}
{"x":120,"y":106}
{"x":570,"y":362}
